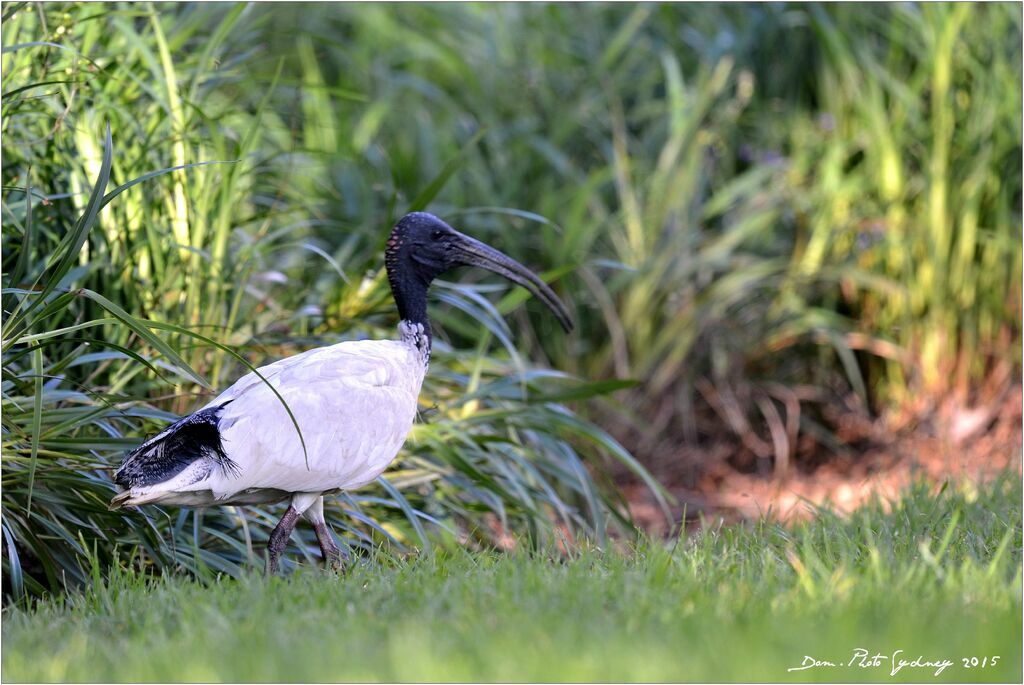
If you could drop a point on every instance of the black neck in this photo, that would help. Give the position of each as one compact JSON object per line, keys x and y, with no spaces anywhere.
{"x":410,"y":293}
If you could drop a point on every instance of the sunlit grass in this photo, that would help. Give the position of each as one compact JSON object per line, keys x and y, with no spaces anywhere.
{"x":937,"y":577}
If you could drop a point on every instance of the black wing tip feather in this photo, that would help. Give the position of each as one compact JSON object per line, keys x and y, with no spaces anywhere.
{"x":193,"y":437}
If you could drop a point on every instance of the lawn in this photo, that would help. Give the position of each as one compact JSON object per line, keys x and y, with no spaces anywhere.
{"x":937,"y":577}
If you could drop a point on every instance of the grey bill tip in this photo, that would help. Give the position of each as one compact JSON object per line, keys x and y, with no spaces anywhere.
{"x":472,"y":252}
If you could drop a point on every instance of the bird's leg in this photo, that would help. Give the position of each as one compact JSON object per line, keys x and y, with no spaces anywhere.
{"x":334,"y":558}
{"x":279,"y":538}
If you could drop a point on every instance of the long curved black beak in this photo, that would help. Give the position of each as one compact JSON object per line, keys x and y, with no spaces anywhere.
{"x":471,"y":252}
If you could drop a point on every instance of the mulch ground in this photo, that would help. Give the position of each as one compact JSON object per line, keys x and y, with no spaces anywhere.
{"x":713,"y":483}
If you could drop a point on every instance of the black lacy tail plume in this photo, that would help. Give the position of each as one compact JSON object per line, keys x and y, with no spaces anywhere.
{"x":196,"y":436}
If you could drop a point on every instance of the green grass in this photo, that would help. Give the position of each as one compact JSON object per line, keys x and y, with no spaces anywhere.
{"x":937,"y":576}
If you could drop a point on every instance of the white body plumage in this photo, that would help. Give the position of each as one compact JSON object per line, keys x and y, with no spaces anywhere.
{"x":354,"y":402}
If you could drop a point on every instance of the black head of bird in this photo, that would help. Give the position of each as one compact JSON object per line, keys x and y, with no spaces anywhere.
{"x":422,"y":247}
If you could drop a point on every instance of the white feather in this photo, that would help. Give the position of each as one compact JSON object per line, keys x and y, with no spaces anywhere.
{"x":354,"y":402}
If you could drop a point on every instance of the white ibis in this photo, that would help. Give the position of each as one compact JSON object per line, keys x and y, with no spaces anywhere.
{"x":354,"y":403}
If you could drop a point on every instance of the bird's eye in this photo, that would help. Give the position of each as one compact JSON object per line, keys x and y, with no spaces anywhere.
{"x":437,"y":234}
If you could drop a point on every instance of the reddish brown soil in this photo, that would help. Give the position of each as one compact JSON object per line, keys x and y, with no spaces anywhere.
{"x":716,"y":481}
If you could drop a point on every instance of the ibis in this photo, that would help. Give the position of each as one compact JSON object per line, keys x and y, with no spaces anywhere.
{"x":353,"y":404}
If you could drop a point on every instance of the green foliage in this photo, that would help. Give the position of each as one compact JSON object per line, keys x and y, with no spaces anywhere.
{"x":747,"y":232}
{"x":127,"y":306}
{"x":935,"y":576}
{"x":918,"y":178}
{"x":754,"y":233}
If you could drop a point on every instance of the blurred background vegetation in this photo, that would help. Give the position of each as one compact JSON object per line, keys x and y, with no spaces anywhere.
{"x":766,"y":218}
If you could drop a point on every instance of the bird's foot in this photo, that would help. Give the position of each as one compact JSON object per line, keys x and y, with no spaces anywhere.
{"x":337,"y":563}
{"x":335,"y":558}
